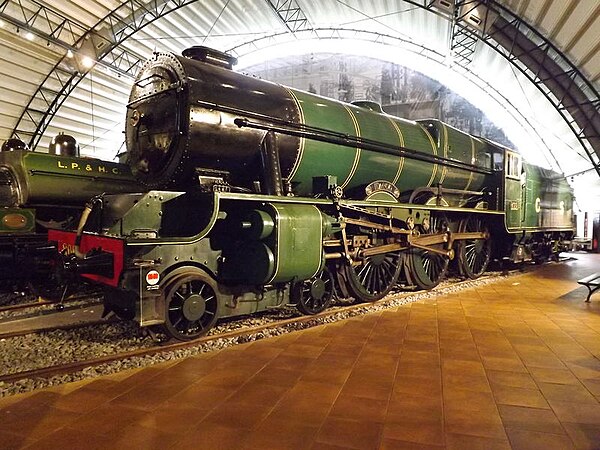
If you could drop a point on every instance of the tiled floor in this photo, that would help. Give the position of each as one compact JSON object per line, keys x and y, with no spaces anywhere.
{"x":513,"y":364}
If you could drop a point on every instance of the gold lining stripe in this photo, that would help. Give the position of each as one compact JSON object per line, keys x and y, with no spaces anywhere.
{"x":444,"y":168}
{"x":401,"y":140}
{"x":320,"y":240}
{"x":277,"y":258}
{"x":357,"y":155}
{"x":302,"y":139}
{"x":471,"y":173}
{"x":435,"y":153}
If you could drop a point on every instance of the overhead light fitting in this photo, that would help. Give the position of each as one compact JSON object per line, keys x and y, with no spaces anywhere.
{"x":87,"y":62}
{"x":29,"y":36}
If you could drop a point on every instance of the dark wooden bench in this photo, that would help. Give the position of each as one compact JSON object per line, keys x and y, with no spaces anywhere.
{"x":592,"y":282}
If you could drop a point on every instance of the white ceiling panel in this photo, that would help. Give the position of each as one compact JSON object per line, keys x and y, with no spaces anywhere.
{"x":95,"y":111}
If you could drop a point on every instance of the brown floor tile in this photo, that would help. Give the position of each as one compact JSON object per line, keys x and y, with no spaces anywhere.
{"x":392,"y":444}
{"x":466,"y":442}
{"x":558,"y":376}
{"x":227,"y":377}
{"x":312,"y":390}
{"x":424,"y":370}
{"x":11,"y":441}
{"x":567,"y":393}
{"x":139,"y":398}
{"x":302,"y":411}
{"x":278,"y":377}
{"x":429,"y":432}
{"x":34,"y":424}
{"x":415,"y":385}
{"x":414,"y":406}
{"x":105,"y":421}
{"x":324,"y":446}
{"x":322,"y":374}
{"x":224,"y":436}
{"x":511,"y":379}
{"x":422,"y":346}
{"x":376,"y":361}
{"x":377,"y":391}
{"x":174,"y":419}
{"x":359,"y":408}
{"x":470,"y":354}
{"x":288,"y":435}
{"x":478,"y":382}
{"x":69,"y":439}
{"x":457,"y":367}
{"x":471,"y":400}
{"x":532,"y":419}
{"x":498,"y":363}
{"x":535,"y":440}
{"x":364,"y":372}
{"x":575,"y":412}
{"x":200,"y":397}
{"x":135,"y":436}
{"x":588,"y":368}
{"x":531,"y":398}
{"x":303,"y":350}
{"x":593,"y":386}
{"x":83,"y":400}
{"x":259,"y":394}
{"x":474,"y":423}
{"x":242,"y":415}
{"x":584,"y":436}
{"x":350,"y":434}
{"x":28,"y":401}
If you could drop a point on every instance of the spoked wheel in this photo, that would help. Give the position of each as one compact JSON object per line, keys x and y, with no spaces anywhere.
{"x":373,"y":277}
{"x":314,"y":295}
{"x":427,"y":269}
{"x":473,"y":254}
{"x":191,"y":303}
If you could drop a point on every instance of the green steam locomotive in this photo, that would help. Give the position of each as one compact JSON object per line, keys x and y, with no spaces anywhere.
{"x":262,"y":195}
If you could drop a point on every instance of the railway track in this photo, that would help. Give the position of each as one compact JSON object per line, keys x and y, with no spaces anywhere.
{"x":241,"y":335}
{"x":44,"y":302}
{"x":48,"y":319}
{"x":27,"y":305}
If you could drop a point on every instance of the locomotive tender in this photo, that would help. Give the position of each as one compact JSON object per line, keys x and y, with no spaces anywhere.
{"x":263,"y":195}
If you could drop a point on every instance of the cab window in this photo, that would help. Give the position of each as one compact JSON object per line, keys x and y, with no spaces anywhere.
{"x":513,"y":165}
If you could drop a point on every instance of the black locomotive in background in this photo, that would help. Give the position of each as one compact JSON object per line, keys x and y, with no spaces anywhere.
{"x":258,"y":195}
{"x":39,"y":191}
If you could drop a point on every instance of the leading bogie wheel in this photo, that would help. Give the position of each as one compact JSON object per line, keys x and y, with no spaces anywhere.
{"x":313,"y":296}
{"x":191,"y":303}
{"x":373,"y":277}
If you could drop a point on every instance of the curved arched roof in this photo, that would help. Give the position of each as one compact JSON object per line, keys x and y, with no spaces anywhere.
{"x":438,"y":37}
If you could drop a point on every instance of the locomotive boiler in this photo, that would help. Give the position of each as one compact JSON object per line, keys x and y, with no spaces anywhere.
{"x":262,"y":195}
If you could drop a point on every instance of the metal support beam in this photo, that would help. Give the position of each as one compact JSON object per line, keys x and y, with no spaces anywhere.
{"x":469,"y":22}
{"x":59,"y":31}
{"x":290,"y":14}
{"x":100,"y":43}
{"x":566,"y":88}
